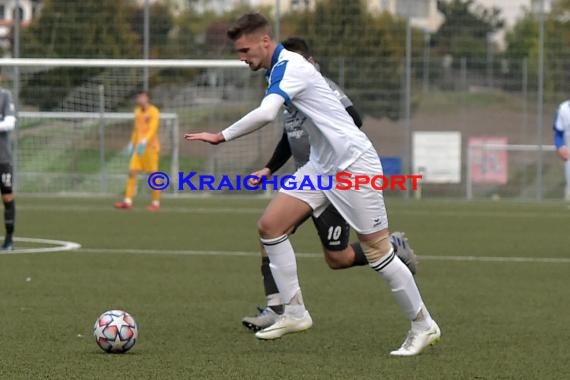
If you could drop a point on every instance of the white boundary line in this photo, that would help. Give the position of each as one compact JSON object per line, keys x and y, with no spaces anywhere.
{"x":501,"y":259}
{"x":60,"y":246}
{"x":63,"y":246}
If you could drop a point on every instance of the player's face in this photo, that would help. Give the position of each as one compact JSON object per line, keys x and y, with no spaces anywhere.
{"x":253,"y":49}
{"x":142,"y":100}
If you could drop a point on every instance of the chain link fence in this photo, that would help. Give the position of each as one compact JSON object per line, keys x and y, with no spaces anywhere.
{"x":489,"y":70}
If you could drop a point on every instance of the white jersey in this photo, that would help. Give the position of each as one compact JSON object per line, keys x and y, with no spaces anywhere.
{"x":561,"y":122}
{"x":335,"y":141}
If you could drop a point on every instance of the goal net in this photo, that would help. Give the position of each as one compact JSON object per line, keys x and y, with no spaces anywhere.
{"x":75,"y":118}
{"x":525,"y":172}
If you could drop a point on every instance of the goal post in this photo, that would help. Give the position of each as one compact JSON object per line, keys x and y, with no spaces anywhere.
{"x":75,"y":119}
{"x":498,"y":171}
{"x":82,"y":152}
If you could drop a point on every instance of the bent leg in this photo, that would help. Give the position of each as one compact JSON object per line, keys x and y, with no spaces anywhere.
{"x":334,"y":233}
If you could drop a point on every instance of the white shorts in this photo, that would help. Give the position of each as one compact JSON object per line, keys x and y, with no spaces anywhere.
{"x":363,"y":209}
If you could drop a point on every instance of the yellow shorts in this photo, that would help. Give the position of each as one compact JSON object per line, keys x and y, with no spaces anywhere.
{"x":148,"y":162}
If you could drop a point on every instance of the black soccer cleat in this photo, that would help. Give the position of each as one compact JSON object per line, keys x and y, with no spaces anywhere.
{"x":8,"y":244}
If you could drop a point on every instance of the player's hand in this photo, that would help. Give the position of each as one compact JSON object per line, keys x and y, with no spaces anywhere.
{"x":141,"y":147}
{"x":211,"y":138}
{"x":265,"y":172}
{"x":130,"y":148}
{"x":564,"y":153}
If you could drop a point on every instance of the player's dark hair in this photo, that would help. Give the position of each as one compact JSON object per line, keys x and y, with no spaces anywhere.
{"x":247,"y":24}
{"x":297,"y":45}
{"x":144,"y":92}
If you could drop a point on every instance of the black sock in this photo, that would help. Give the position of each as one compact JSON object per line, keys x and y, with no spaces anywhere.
{"x":359,"y":256}
{"x":9,"y":217}
{"x":269,"y":283}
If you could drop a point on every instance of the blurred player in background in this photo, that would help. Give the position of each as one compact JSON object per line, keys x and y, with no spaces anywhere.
{"x":143,"y":149}
{"x":333,"y":230}
{"x":561,"y":126}
{"x":336,"y":145}
{"x":7,"y":125}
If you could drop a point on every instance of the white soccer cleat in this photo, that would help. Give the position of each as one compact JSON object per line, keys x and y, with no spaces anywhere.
{"x":418,"y":340}
{"x":286,"y":324}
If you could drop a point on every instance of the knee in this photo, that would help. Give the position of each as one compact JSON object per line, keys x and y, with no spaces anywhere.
{"x":267,"y":228}
{"x":133,"y":173}
{"x":376,"y":246}
{"x":6,"y":198}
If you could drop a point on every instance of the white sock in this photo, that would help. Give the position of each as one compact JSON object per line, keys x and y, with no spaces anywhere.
{"x":156,"y":203}
{"x":403,"y":287}
{"x":274,"y":299}
{"x":296,"y":307}
{"x":284,"y":269}
{"x":423,"y":320}
{"x":128,"y":201}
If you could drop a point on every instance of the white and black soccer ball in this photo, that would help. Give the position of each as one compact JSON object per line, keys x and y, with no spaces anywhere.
{"x":115,"y":331}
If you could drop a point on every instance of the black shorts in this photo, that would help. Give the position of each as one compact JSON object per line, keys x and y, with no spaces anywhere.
{"x":6,"y":179}
{"x":333,"y":230}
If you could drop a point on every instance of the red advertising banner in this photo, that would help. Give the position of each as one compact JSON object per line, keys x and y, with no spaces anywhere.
{"x":489,"y":163}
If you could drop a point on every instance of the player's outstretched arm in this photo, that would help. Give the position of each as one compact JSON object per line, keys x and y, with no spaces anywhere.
{"x":212,"y":138}
{"x":259,"y":117}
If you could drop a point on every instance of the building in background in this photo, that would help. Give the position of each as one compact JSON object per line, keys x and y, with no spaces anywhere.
{"x":217,"y":6}
{"x":28,"y":9}
{"x":178,"y":6}
{"x":430,"y":21}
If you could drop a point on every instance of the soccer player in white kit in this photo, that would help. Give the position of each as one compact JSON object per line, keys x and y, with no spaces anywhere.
{"x":561,"y":127}
{"x":336,"y":145}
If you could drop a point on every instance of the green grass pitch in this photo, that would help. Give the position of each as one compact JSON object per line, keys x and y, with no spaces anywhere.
{"x":189,"y":274}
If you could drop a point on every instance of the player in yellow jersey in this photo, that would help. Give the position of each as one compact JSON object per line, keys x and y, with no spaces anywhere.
{"x":143,"y":149}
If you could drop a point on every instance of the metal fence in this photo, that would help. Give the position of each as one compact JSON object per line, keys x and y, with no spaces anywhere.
{"x":468,"y":74}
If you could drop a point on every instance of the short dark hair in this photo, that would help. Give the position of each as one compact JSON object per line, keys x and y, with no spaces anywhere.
{"x":298,"y":45}
{"x":144,"y":92}
{"x":247,"y":24}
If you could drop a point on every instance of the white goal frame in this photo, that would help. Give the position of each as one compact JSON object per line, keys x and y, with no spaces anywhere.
{"x":500,"y":147}
{"x":103,"y":118}
{"x":19,"y":66}
{"x":129,"y":63}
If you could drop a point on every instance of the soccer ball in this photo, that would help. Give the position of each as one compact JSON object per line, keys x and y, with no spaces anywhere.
{"x":115,"y":331}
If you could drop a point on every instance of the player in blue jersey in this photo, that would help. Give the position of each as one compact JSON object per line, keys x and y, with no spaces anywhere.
{"x":333,"y":230}
{"x":561,"y":127}
{"x":337,"y":145}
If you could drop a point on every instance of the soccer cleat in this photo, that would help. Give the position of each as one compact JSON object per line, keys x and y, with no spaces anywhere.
{"x":123,"y":205}
{"x":404,"y":250}
{"x":286,"y":324}
{"x":265,"y":318}
{"x":417,"y":340}
{"x":8,"y":244}
{"x":153,"y":207}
